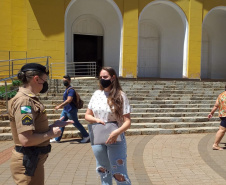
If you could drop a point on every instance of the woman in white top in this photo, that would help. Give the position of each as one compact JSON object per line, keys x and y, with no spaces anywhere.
{"x":110,"y":104}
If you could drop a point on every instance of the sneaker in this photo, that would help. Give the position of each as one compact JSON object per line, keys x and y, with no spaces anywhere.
{"x":53,"y":141}
{"x":85,"y":140}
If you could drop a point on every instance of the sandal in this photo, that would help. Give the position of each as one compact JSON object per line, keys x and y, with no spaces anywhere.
{"x":217,"y":148}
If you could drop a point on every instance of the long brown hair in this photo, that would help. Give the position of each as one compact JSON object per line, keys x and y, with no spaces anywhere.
{"x":115,"y":100}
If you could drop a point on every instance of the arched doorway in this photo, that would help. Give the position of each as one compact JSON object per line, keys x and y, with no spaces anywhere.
{"x":149,"y":39}
{"x":87,"y":44}
{"x":167,"y":58}
{"x":205,"y":63}
{"x":94,"y":24}
{"x":213,"y":57}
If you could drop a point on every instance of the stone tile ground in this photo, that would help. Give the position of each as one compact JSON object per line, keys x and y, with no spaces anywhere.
{"x":158,"y":159}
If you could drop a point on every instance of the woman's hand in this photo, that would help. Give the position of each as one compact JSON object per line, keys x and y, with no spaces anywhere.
{"x":210,"y":116}
{"x":89,"y":116}
{"x":54,"y":132}
{"x":113,"y":137}
{"x":60,"y":123}
{"x":99,"y":121}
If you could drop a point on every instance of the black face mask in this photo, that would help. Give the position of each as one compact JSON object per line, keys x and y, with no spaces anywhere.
{"x":105,"y":83}
{"x":45,"y":87}
{"x":65,"y":83}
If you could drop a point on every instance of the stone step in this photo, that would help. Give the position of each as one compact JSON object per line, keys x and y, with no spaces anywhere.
{"x":158,"y":107}
{"x":141,"y":100}
{"x":153,"y":106}
{"x":143,"y":108}
{"x":141,"y":120}
{"x":132,"y":91}
{"x":142,"y":115}
{"x":7,"y":129}
{"x":158,"y":95}
{"x":159,"y":82}
{"x":140,"y":88}
{"x":146,"y":96}
{"x":146,"y":110}
{"x":143,"y":131}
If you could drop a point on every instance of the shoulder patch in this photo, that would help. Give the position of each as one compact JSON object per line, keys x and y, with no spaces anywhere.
{"x":25,"y":109}
{"x":27,"y":120}
{"x":31,"y":95}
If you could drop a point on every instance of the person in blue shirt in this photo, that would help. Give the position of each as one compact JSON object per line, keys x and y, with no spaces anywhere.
{"x":70,"y":111}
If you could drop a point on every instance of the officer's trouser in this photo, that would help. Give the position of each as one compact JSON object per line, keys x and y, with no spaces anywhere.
{"x":18,"y":170}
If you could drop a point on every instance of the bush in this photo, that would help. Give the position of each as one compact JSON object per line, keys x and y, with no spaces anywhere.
{"x":11,"y":90}
{"x":16,"y":83}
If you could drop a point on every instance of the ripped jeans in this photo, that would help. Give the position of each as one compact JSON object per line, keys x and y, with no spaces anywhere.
{"x":111,"y":162}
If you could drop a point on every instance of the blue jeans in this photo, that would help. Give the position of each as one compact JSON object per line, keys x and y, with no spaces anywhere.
{"x":111,"y":161}
{"x":72,"y":115}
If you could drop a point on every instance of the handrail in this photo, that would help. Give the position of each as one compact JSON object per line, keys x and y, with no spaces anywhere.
{"x":74,"y":69}
{"x":10,"y":53}
{"x":11,"y":65}
{"x":6,"y":79}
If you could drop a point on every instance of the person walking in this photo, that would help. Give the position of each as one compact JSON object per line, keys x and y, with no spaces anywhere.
{"x":70,"y":111}
{"x":29,"y":124}
{"x":110,"y":104}
{"x":221,"y":105}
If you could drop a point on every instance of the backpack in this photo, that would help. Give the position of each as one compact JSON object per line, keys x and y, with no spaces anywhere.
{"x":78,"y":102}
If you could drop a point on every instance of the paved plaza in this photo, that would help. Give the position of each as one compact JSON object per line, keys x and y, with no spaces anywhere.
{"x":155,"y":159}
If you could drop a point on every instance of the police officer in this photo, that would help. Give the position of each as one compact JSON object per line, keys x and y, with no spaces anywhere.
{"x":29,"y":124}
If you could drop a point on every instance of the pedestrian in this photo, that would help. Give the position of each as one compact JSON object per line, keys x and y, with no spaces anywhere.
{"x":220,"y":104}
{"x":29,"y":124}
{"x":110,"y":104}
{"x":70,"y":111}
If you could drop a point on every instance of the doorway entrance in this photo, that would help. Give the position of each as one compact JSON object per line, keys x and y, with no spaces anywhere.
{"x":88,"y":48}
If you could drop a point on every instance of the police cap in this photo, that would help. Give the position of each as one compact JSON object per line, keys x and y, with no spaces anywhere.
{"x":35,"y":67}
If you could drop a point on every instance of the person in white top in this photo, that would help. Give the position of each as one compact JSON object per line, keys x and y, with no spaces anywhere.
{"x":110,"y":104}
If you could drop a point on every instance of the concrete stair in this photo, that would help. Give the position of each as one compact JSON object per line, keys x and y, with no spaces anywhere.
{"x":158,"y":107}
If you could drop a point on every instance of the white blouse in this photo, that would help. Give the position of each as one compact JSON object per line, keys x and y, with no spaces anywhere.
{"x":101,"y":110}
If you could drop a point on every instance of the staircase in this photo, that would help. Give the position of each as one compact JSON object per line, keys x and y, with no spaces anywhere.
{"x":158,"y":107}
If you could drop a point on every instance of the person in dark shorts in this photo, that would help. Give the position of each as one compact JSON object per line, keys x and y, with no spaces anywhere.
{"x":220,"y":104}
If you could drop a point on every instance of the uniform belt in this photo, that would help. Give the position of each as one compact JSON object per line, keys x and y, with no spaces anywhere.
{"x":42,"y":149}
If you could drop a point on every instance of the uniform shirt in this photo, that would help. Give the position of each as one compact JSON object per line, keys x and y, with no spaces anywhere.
{"x":101,"y":110}
{"x":222,"y":104}
{"x":71,"y":92}
{"x":26,"y":113}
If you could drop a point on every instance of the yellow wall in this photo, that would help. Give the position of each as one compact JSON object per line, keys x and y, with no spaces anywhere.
{"x":208,"y":5}
{"x":5,"y":25}
{"x":130,"y":38}
{"x":198,"y":9}
{"x":38,"y":28}
{"x":45,"y":26}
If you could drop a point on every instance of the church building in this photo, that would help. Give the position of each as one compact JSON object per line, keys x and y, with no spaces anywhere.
{"x":138,"y":38}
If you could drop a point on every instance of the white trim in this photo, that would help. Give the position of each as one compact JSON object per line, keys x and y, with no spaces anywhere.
{"x":116,"y":8}
{"x":215,"y":8}
{"x":159,"y":30}
{"x":209,"y":31}
{"x":91,"y":16}
{"x":185,"y":22}
{"x":65,"y":33}
{"x":121,"y":39}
